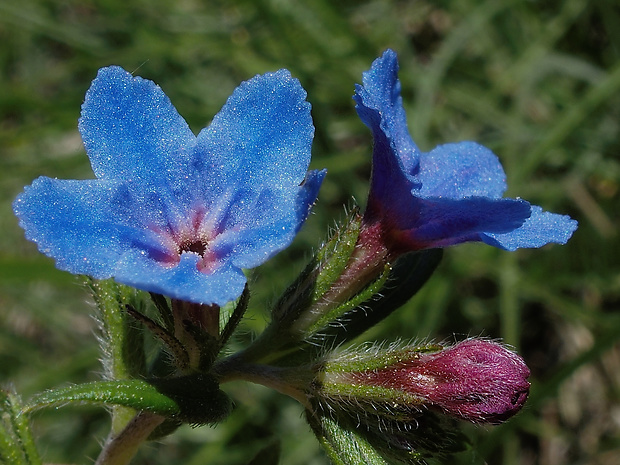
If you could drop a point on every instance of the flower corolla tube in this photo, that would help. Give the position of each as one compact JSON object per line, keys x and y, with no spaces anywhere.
{"x":171,"y":212}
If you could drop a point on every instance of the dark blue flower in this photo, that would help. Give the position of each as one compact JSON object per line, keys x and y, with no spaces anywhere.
{"x":170,"y":212}
{"x":447,"y":196}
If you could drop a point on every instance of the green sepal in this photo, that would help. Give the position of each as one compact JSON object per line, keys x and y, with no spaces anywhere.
{"x":332,"y":317}
{"x":398,"y":283}
{"x":375,"y":358}
{"x":16,"y":442}
{"x":359,"y":438}
{"x":293,"y":315}
{"x":194,"y":399}
{"x":316,"y":279}
{"x":343,"y":446}
{"x":407,"y":276}
{"x":235,"y":318}
{"x":165,"y":312}
{"x":334,"y":255}
{"x":319,"y":335}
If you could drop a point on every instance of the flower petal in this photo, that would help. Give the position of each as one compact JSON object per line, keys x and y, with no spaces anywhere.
{"x":171,"y":215}
{"x":81,"y":225}
{"x":183,"y":281}
{"x":380,"y":107}
{"x":460,"y":170}
{"x":131,"y":131}
{"x":261,"y":137}
{"x":258,"y":235}
{"x":307,"y":194}
{"x":253,"y":158}
{"x":395,"y":156}
{"x":78,"y":224}
{"x":443,"y":222}
{"x":539,"y":229}
{"x":450,"y":195}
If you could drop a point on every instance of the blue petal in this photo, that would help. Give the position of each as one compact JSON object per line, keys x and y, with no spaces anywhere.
{"x":541,"y":228}
{"x":450,"y":195}
{"x":379,"y":106}
{"x":239,"y":192}
{"x":428,"y":223}
{"x":78,"y":224}
{"x":262,"y":231}
{"x":183,"y":281}
{"x":460,"y":170}
{"x":131,"y":131}
{"x":253,"y":159}
{"x":307,"y":194}
{"x":261,"y":137}
{"x":81,"y":224}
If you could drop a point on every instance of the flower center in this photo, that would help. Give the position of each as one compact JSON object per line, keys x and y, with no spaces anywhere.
{"x":198,"y":247}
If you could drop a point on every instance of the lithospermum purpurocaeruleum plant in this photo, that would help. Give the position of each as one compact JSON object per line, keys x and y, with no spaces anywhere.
{"x":181,"y":216}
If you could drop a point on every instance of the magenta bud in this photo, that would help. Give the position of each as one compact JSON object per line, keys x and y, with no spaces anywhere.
{"x":476,"y":380}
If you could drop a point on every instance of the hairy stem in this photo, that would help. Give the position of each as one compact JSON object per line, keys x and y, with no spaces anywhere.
{"x":119,"y":449}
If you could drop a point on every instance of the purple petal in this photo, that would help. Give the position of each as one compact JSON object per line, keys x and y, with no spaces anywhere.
{"x":443,"y":222}
{"x":132,"y":132}
{"x":540,"y":228}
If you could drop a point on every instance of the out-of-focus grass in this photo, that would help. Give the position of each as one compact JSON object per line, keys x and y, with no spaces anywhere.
{"x":537,"y":82}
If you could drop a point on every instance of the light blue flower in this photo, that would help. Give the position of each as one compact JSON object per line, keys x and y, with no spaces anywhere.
{"x":170,"y":212}
{"x":447,"y":196}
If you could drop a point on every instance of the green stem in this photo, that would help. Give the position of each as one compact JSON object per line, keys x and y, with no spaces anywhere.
{"x":120,"y":449}
{"x":291,"y":381}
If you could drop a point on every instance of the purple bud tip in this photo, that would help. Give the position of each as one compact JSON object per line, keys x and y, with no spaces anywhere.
{"x":477,"y":380}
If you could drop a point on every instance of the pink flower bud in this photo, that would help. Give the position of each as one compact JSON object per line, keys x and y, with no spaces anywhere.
{"x":476,"y":380}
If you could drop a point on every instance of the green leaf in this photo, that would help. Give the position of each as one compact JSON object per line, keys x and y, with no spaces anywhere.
{"x":195,"y":399}
{"x":122,"y":341}
{"x":133,"y":393}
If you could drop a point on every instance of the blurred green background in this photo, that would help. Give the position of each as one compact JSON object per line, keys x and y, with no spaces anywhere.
{"x":536,"y":81}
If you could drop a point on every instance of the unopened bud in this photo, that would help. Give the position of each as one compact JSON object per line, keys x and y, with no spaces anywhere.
{"x":476,"y":380}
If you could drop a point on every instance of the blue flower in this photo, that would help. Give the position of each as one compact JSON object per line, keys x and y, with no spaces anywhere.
{"x":170,"y":212}
{"x":447,"y":196}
